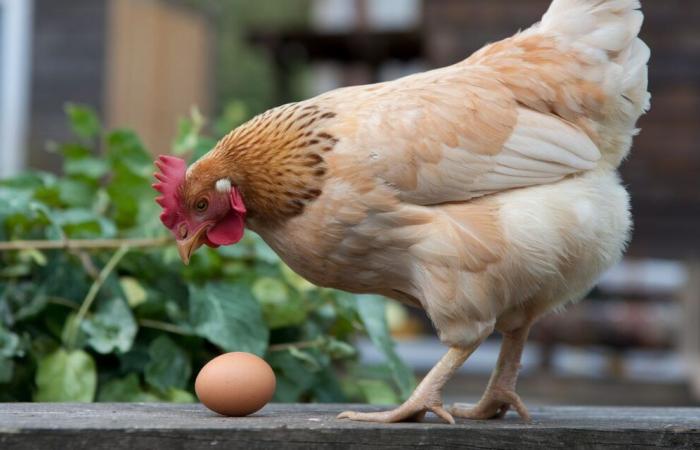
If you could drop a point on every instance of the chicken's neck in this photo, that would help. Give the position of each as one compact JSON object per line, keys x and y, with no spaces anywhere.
{"x":277,"y":159}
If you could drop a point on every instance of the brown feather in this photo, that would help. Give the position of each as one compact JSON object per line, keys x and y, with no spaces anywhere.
{"x":276,"y":159}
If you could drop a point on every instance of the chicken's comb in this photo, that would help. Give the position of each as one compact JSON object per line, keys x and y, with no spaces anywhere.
{"x":170,"y":178}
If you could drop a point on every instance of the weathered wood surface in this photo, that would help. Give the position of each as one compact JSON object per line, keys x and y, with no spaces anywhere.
{"x":168,"y":426}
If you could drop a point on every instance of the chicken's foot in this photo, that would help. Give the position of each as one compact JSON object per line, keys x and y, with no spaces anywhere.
{"x":426,"y":397}
{"x":500,"y":394}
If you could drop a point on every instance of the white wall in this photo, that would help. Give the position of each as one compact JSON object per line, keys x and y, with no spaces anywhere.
{"x":15,"y":57}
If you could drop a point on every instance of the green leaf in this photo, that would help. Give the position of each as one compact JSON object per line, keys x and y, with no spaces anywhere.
{"x":293,"y":377}
{"x":187,"y":138}
{"x":74,"y":193}
{"x":377,"y":392}
{"x":89,"y":167}
{"x":339,"y":349}
{"x":306,"y":358}
{"x":33,"y":255}
{"x":280,"y":309}
{"x":112,"y":328}
{"x":235,"y":113}
{"x":9,"y":343}
{"x":83,"y":121}
{"x":372,"y":312}
{"x":270,"y":290}
{"x":299,"y":283}
{"x":16,"y":271}
{"x":23,"y":301}
{"x":169,"y":365}
{"x":178,"y":396}
{"x":135,"y":293}
{"x":136,"y":359}
{"x":83,"y":223}
{"x":227,"y":315}
{"x":130,"y":187}
{"x":66,"y":376}
{"x":74,"y":151}
{"x":127,"y":389}
{"x":263,"y":251}
{"x":7,"y":369}
{"x":63,"y":277}
{"x":26,"y":181}
{"x":126,"y":151}
{"x":327,"y":389}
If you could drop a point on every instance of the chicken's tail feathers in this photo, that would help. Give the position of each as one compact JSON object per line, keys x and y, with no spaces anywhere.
{"x":610,"y":25}
{"x":611,"y":28}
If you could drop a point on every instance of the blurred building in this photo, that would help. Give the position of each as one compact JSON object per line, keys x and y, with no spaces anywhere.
{"x":142,"y":63}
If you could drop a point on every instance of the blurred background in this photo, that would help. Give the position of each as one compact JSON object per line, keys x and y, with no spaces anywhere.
{"x":144,"y":64}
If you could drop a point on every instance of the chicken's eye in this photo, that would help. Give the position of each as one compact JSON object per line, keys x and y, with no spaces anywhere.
{"x":202,"y":205}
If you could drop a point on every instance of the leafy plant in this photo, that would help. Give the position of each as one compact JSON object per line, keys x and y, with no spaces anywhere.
{"x":111,"y":314}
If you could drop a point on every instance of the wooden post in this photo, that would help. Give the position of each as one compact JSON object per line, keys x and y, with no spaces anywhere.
{"x":158,"y":68}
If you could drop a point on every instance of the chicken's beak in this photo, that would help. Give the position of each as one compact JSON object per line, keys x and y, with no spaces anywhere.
{"x":189,"y":245}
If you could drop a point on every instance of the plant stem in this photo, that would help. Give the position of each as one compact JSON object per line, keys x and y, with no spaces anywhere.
{"x":63,"y":302}
{"x":301,"y":344}
{"x":72,"y":332}
{"x":148,"y":323}
{"x":164,"y":326}
{"x":88,"y":244}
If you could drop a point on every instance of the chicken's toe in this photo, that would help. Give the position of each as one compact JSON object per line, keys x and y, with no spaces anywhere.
{"x":403,"y":413}
{"x":493,"y":405}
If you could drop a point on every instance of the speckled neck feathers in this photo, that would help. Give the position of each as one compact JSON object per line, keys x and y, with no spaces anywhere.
{"x":277,"y":159}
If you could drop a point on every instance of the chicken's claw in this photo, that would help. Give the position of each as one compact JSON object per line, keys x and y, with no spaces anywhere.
{"x":494,"y":405}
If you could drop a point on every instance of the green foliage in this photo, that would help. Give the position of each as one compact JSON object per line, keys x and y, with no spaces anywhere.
{"x":169,"y":365}
{"x":228,"y":316}
{"x":66,"y":376}
{"x":111,"y":328}
{"x":83,"y":121}
{"x":135,"y":324}
{"x":373,"y":315}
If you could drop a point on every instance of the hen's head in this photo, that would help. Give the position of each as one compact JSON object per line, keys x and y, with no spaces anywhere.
{"x":198,"y":207}
{"x":275,"y":162}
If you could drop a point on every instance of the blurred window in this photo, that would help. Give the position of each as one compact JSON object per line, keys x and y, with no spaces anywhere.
{"x":15,"y":48}
{"x":344,"y":15}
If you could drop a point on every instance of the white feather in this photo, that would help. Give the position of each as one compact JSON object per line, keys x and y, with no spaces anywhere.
{"x":223,"y":185}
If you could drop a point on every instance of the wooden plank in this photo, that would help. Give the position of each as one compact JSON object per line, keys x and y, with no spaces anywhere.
{"x":159,"y":426}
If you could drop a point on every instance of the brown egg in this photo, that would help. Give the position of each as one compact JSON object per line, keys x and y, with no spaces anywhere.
{"x":235,"y":384}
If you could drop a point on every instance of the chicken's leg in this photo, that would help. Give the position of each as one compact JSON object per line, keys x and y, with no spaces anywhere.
{"x":426,"y":397}
{"x":500,"y":393}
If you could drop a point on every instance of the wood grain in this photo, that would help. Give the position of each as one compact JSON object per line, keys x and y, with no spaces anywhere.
{"x":160,"y":426}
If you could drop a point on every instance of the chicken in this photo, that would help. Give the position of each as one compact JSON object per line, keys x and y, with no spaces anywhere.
{"x":485,"y":192}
